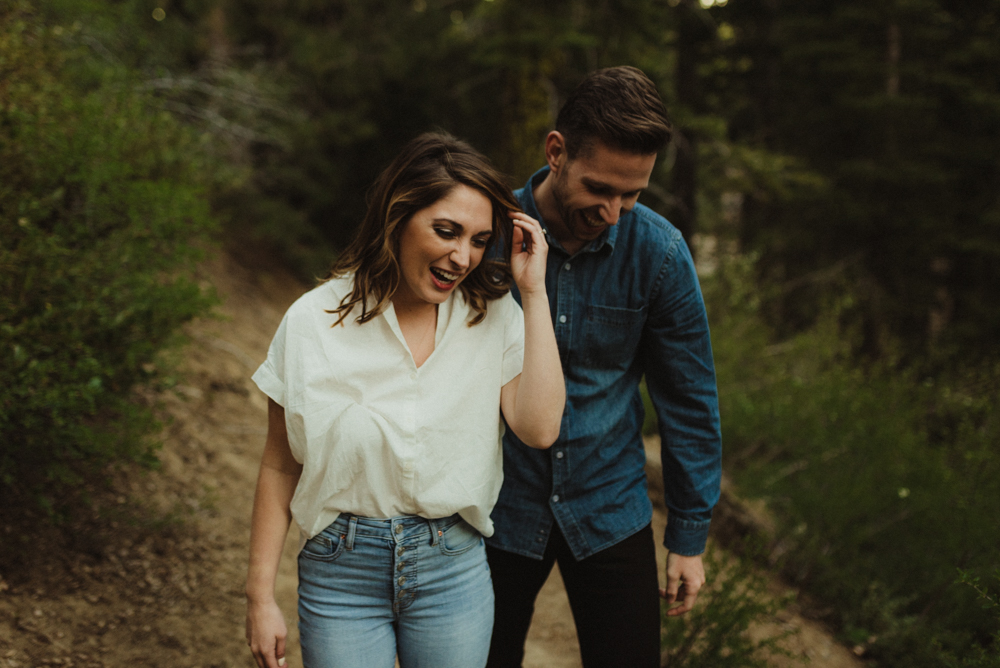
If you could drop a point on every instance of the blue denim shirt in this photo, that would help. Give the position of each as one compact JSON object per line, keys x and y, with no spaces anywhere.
{"x":627,"y":304}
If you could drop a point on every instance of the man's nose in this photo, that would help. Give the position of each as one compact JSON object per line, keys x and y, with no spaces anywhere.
{"x":611,"y":210}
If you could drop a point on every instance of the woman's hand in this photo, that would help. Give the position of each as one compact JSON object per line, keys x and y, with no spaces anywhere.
{"x":528,"y":253}
{"x":266,"y":633}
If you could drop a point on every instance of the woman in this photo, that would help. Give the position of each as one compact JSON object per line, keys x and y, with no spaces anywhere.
{"x":386,"y":385}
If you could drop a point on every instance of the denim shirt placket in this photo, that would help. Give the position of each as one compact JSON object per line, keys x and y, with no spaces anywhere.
{"x":564,"y":323}
{"x":568,"y":312}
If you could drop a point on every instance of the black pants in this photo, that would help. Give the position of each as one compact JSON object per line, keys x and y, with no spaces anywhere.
{"x":614,"y":595}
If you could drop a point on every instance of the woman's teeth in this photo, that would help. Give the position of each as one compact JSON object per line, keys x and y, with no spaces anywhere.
{"x":444,"y":276}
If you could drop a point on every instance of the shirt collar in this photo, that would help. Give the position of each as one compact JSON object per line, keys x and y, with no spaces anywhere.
{"x":607,"y":237}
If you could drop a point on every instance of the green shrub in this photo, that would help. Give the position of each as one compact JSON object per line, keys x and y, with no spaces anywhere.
{"x":978,"y":656}
{"x":715,"y":633}
{"x":101,"y":213}
{"x":882,"y":477}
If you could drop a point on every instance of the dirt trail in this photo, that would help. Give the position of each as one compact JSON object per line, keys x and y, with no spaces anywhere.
{"x":169,"y":592}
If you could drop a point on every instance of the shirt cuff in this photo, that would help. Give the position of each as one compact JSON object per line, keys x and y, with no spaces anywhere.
{"x":269,"y":383}
{"x":686,"y":537}
{"x":513,"y":363}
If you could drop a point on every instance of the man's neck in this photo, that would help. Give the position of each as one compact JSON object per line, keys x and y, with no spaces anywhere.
{"x":545,"y":201}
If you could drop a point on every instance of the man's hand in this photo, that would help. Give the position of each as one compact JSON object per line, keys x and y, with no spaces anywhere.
{"x":685,"y":576}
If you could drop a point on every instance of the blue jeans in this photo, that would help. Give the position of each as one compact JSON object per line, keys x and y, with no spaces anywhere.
{"x":370,"y":589}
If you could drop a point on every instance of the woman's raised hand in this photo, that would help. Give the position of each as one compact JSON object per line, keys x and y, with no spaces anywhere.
{"x":529,"y":250}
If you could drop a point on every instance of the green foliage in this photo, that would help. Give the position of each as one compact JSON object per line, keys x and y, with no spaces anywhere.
{"x":981,"y":657}
{"x":897,"y":106}
{"x":715,"y":633}
{"x":102,"y":209}
{"x":849,"y":139}
{"x":882,"y":478}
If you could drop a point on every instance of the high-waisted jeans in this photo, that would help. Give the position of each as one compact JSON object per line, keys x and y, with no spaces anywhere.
{"x":370,"y":589}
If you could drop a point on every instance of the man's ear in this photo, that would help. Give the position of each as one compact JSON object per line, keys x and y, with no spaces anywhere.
{"x":555,"y":151}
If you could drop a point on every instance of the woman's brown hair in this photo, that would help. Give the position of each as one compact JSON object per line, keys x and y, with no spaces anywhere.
{"x":426,"y":170}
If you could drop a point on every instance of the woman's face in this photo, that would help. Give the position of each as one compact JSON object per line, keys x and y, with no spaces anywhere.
{"x":440,"y":246}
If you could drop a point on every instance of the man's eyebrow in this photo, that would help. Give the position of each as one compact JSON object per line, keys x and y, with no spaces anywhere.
{"x":595,"y":185}
{"x":601,"y":186}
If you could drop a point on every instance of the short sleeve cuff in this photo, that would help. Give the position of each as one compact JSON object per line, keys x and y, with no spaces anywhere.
{"x":513,"y":362}
{"x":686,"y":537}
{"x":513,"y":356}
{"x":269,"y":383}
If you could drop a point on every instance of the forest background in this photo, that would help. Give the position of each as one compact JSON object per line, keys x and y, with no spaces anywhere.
{"x":835,"y":170}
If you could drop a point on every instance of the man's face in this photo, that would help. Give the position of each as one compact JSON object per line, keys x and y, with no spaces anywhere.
{"x":592,"y":190}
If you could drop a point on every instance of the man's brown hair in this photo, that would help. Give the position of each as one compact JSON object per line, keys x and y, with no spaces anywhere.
{"x":618,"y":107}
{"x":425,"y":171}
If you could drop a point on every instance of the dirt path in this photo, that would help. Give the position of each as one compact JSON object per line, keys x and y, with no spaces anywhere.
{"x":130,"y":591}
{"x":552,"y":641}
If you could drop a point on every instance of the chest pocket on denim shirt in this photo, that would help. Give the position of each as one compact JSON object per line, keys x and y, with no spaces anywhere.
{"x":611,"y":336}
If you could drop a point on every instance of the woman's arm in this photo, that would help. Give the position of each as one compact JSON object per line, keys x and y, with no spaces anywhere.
{"x":532,"y":402}
{"x":279,"y":474}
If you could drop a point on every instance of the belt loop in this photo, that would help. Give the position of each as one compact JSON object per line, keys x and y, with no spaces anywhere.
{"x":435,"y":533}
{"x":352,"y":528}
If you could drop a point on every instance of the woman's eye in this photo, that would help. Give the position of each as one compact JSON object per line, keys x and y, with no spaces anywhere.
{"x":480,"y":243}
{"x":445,"y":233}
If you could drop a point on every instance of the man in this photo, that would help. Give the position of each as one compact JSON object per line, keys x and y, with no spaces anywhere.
{"x":625,"y":303}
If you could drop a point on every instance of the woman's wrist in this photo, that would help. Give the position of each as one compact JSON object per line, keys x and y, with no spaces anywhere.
{"x":534,"y":294}
{"x":259,"y":594}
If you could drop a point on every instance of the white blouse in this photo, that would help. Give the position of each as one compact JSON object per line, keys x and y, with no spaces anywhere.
{"x":379,"y":437}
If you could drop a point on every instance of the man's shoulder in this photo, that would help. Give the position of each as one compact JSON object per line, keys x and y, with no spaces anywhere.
{"x":646,"y":229}
{"x":522,"y":196}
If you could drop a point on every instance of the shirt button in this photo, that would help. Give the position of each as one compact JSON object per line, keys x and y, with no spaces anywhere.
{"x":559,"y":455}
{"x":401,"y":581}
{"x":566,"y":266}
{"x":555,"y":499}
{"x":398,"y":529}
{"x":562,"y":318}
{"x":400,"y":552}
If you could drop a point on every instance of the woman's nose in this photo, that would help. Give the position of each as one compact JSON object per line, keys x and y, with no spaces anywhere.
{"x":460,"y":256}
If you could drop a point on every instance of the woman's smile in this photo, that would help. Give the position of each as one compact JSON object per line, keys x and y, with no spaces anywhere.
{"x":445,"y":280}
{"x":439,"y":246}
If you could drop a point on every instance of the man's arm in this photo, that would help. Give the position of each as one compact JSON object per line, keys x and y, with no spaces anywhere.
{"x":680,"y":376}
